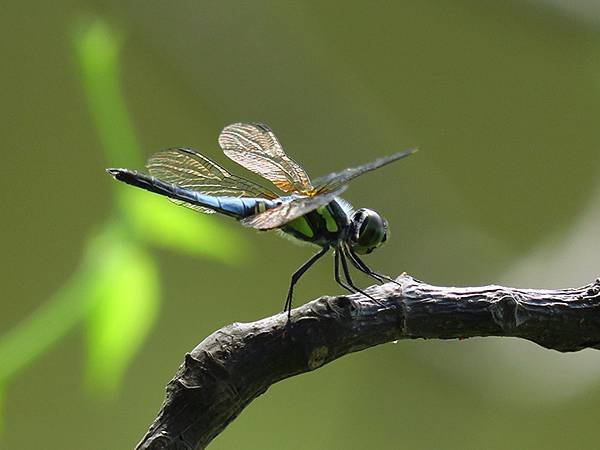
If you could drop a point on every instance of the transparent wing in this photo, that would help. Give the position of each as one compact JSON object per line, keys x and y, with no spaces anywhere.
{"x":282,"y":214}
{"x":334,"y":180}
{"x":255,"y":147}
{"x":189,"y":169}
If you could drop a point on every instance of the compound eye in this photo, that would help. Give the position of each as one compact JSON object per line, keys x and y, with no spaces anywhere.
{"x":385,"y":231}
{"x":369,"y":230}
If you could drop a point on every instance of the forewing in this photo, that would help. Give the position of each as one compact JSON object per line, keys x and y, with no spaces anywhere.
{"x":189,"y":169}
{"x":334,"y":180}
{"x":256,"y":147}
{"x":282,"y":214}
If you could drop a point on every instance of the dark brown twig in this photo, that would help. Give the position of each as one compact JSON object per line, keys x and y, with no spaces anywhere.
{"x":237,"y":363}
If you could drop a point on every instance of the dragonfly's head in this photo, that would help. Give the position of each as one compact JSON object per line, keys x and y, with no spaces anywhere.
{"x":368,"y":230}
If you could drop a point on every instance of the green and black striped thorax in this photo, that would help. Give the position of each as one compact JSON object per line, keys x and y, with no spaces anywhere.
{"x":325,"y":226}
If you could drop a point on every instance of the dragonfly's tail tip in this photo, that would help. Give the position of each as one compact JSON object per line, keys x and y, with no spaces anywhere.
{"x":114,"y":172}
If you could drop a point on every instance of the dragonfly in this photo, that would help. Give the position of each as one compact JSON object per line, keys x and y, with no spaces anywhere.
{"x":309,"y":211}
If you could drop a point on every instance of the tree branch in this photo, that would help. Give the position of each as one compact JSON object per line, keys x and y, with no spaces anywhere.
{"x":239,"y":362}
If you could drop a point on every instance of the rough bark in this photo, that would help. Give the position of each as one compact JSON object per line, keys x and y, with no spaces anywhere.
{"x":237,"y":363}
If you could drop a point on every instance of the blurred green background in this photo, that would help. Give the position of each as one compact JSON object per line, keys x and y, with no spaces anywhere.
{"x":104,"y":289}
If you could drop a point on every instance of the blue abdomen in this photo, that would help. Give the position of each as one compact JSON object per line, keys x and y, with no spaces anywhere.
{"x":238,"y":207}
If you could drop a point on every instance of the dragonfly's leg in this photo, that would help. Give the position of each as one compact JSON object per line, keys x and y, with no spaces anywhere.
{"x":296,"y":276}
{"x":360,"y":265}
{"x":351,"y":283}
{"x":364,"y":269}
{"x":336,"y":272}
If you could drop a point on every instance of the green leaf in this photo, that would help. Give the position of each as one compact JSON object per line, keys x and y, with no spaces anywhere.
{"x":97,"y":47}
{"x":164,"y":224}
{"x":42,"y":328}
{"x":1,"y":409}
{"x":52,"y":320}
{"x":115,"y":289}
{"x":126,"y":290}
{"x":151,"y":218}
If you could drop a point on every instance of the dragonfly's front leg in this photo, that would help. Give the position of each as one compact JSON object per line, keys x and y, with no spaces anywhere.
{"x":296,"y":276}
{"x":360,"y":265}
{"x":351,"y":283}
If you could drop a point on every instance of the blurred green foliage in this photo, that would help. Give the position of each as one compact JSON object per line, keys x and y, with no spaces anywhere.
{"x":157,"y":221}
{"x":97,"y":48}
{"x":502,"y":98}
{"x":116,"y":288}
{"x":125,"y":294}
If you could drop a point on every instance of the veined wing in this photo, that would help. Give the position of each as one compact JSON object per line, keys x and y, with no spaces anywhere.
{"x":334,"y":180}
{"x":189,"y":169}
{"x":286,"y":212}
{"x":256,"y":147}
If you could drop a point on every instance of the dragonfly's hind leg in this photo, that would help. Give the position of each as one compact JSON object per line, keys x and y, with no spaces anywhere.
{"x":296,"y":276}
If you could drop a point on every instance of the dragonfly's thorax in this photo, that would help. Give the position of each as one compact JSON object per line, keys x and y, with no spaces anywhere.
{"x":325,"y":226}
